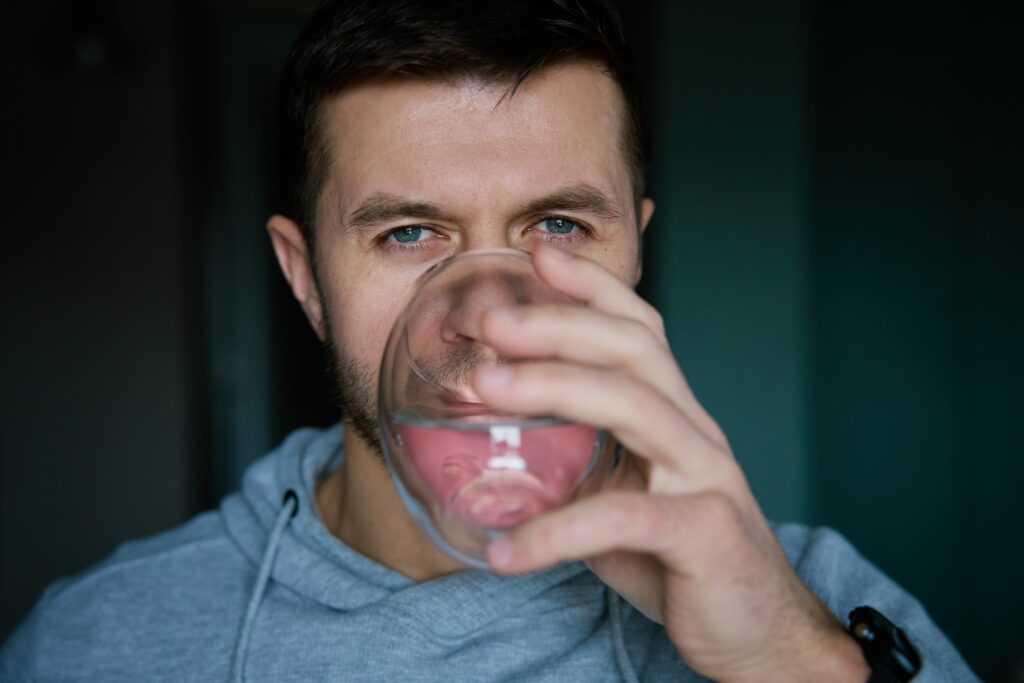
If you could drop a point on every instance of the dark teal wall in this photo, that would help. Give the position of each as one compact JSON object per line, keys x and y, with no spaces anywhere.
{"x":836,"y":250}
{"x":98,"y":372}
{"x":726,"y":259}
{"x":916,"y":241}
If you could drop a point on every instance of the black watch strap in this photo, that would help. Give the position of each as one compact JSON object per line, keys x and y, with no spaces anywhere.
{"x":886,"y":648}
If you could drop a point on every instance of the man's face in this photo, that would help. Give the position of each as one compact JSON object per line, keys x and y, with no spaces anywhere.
{"x":421,"y":171}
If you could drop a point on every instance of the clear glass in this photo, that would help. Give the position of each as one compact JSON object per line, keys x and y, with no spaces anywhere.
{"x":467,"y":472}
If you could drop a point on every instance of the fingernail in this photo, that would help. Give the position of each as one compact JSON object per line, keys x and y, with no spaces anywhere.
{"x":495,"y":376}
{"x":499,"y":552}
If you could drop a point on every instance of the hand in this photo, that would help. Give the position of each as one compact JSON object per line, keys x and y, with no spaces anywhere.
{"x":676,"y":531}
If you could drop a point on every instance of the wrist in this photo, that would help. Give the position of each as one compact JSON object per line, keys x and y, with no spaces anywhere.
{"x":841,"y":660}
{"x":829,"y":655}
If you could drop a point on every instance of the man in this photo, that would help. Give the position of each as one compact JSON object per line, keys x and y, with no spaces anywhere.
{"x":415,"y":131}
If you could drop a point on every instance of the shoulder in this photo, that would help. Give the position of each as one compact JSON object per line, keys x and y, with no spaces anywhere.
{"x":832,"y":568}
{"x":149,"y":603}
{"x":836,"y":572}
{"x":190,"y":557}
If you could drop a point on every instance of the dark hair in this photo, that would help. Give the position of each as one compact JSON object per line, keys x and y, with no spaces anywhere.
{"x":346,"y":41}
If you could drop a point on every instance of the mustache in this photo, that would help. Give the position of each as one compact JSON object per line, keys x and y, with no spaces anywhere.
{"x":453,"y":370}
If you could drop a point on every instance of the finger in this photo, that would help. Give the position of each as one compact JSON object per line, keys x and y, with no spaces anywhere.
{"x":589,"y":528}
{"x":584,"y":335}
{"x":643,"y":420}
{"x":665,"y":526}
{"x":588,"y":282}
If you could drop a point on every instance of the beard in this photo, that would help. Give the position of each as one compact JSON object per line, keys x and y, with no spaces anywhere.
{"x":354,"y":391}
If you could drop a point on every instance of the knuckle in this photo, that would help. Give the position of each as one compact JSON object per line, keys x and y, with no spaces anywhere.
{"x":620,"y":524}
{"x":718,"y":512}
{"x":535,"y":372}
{"x":642,"y":335}
{"x":636,"y":517}
{"x":621,"y":517}
{"x":664,"y":522}
{"x":733,"y":478}
{"x":566,"y":312}
{"x":655,"y":322}
{"x":640,"y":517}
{"x":636,"y":395}
{"x":551,"y":375}
{"x":658,"y":522}
{"x":541,"y":315}
{"x":719,"y":438}
{"x":544,"y":543}
{"x":555,"y":324}
{"x":646,"y":402}
{"x":636,"y":343}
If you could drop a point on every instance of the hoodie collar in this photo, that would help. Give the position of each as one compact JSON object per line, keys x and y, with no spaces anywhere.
{"x":316,"y":564}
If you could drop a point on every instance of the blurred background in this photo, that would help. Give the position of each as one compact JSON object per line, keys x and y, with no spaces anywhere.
{"x":836,"y":251}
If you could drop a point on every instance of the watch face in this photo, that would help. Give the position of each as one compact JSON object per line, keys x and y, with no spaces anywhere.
{"x":886,"y":648}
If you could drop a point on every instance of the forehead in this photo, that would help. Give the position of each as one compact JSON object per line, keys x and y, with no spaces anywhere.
{"x":473,"y":139}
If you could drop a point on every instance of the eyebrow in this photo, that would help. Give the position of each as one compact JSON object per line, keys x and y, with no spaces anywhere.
{"x":384,"y":207}
{"x":579,"y":197}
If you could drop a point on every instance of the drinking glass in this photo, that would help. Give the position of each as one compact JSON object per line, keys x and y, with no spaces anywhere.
{"x":465,"y":471}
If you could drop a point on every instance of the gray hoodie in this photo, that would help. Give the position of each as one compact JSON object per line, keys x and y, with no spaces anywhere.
{"x":259,"y":590}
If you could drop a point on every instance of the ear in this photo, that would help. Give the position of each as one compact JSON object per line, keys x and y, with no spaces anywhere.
{"x":646,"y":211}
{"x":293,"y":257}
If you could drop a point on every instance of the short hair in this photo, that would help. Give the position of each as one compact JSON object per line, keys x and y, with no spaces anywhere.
{"x":350,"y":41}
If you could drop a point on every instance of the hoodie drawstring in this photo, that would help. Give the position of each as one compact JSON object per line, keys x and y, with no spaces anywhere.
{"x":289,"y":509}
{"x":615,"y":610}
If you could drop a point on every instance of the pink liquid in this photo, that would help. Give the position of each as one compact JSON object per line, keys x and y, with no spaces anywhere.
{"x":498,"y":475}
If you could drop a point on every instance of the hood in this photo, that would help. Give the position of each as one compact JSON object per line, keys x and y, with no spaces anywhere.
{"x":316,"y":564}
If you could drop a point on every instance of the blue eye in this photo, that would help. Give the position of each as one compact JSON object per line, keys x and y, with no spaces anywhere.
{"x":558,"y":226}
{"x":409,"y":234}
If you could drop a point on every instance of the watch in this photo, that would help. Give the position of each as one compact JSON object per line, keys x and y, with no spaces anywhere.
{"x":886,"y":648}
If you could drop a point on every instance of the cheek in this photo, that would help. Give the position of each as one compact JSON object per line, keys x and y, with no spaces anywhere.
{"x":362,"y":306}
{"x":361,"y":327}
{"x":618,"y":256}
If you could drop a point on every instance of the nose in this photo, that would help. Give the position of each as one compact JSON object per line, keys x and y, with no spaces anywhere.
{"x":471,"y":300}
